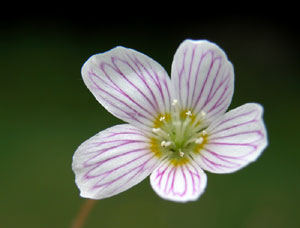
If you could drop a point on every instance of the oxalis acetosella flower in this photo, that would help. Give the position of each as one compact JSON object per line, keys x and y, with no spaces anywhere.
{"x":176,"y":127}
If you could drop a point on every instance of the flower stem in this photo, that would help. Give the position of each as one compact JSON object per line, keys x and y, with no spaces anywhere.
{"x":83,"y":213}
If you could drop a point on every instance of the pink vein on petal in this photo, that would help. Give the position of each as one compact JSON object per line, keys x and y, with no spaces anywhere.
{"x":160,"y":175}
{"x":196,"y":78}
{"x":207,"y":76}
{"x":189,"y":76}
{"x":210,"y":97}
{"x":104,"y":150}
{"x":185,"y":182}
{"x":225,"y":157}
{"x":235,"y":125}
{"x":140,"y":169}
{"x":214,"y":163}
{"x":87,"y":176}
{"x":122,"y":102}
{"x":180,"y":74}
{"x":142,"y":78}
{"x":125,"y":174}
{"x":192,"y":174}
{"x":168,"y":177}
{"x":120,"y":90}
{"x":156,"y":82}
{"x":211,"y":139}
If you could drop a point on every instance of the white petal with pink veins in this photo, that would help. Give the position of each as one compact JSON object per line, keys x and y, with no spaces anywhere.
{"x":203,"y":78}
{"x":129,"y":84}
{"x":234,"y":140}
{"x":112,"y":161}
{"x":181,"y":182}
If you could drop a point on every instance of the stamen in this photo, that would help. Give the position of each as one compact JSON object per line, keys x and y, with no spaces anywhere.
{"x":166,"y":144}
{"x":180,"y":132}
{"x":199,"y":140}
{"x":202,"y":113}
{"x":160,"y":133}
{"x":156,"y":130}
{"x":181,"y":154}
{"x":162,"y":118}
{"x":188,"y":113}
{"x":174,"y":102}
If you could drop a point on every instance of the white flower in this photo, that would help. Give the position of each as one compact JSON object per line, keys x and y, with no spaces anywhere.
{"x":177,"y":127}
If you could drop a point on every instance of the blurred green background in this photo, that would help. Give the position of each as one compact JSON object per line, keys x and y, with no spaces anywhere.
{"x":46,"y":112}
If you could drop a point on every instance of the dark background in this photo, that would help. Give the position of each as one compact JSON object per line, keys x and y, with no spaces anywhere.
{"x":46,"y":112}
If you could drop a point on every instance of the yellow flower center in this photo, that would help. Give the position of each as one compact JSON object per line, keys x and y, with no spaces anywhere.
{"x":179,"y":134}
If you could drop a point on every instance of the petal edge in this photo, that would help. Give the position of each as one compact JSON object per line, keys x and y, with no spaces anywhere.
{"x":235,"y":140}
{"x":129,"y":84}
{"x":112,"y":161}
{"x":181,"y":183}
{"x":203,"y":78}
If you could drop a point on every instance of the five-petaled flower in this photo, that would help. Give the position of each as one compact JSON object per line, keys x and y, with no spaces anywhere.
{"x":176,"y":127}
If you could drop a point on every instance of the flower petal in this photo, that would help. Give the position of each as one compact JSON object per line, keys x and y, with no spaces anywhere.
{"x":203,"y":78}
{"x":178,"y":182}
{"x":130,"y":85}
{"x":234,"y":140}
{"x":112,"y":161}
